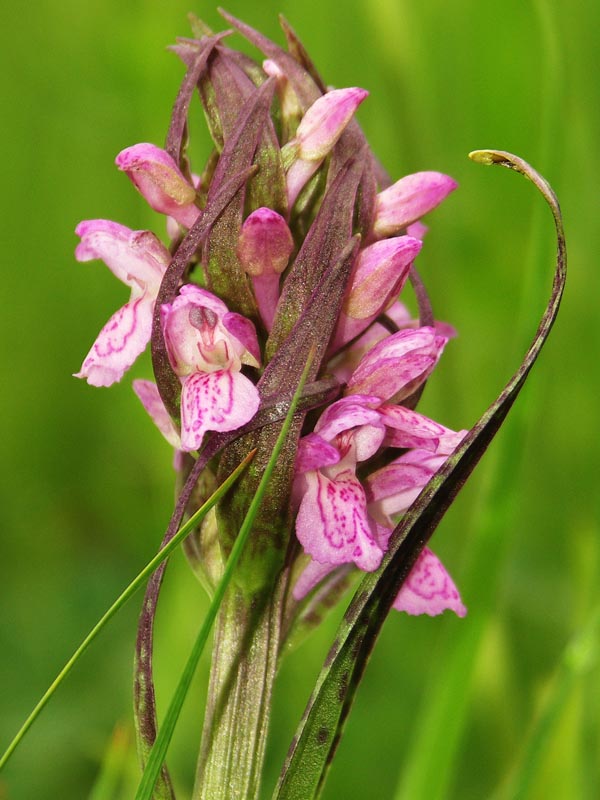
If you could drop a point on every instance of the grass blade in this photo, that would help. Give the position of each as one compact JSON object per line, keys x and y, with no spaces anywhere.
{"x":165,"y":733}
{"x":120,"y":602}
{"x":320,"y":730}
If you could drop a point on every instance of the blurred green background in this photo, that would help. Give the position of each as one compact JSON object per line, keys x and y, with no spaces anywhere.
{"x":503,"y":704}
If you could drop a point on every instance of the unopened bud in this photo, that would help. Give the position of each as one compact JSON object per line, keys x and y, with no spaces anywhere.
{"x":160,"y":181}
{"x":409,"y":199}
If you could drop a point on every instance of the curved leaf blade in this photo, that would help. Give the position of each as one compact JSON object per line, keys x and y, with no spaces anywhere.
{"x":320,"y":730}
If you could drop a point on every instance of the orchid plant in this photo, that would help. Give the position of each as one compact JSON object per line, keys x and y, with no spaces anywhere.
{"x":280,"y":342}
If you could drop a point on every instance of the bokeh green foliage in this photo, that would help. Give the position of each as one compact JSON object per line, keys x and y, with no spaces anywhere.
{"x":449,"y":708}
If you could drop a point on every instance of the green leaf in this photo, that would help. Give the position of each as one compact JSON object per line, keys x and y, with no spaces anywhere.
{"x":320,"y":730}
{"x":159,"y":750}
{"x":137,"y":582}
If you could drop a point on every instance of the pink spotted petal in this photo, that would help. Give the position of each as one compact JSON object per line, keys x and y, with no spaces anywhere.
{"x":429,"y":589}
{"x":151,"y":400}
{"x":332,"y":523}
{"x":394,"y":488}
{"x":119,"y":343}
{"x":409,"y":429}
{"x":215,"y":401}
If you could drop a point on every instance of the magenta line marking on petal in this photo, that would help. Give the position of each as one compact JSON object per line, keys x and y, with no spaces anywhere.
{"x":429,"y":589}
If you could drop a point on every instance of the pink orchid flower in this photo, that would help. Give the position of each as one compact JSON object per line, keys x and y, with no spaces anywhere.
{"x":340,"y":520}
{"x":139,"y":260}
{"x":207,"y":346}
{"x":332,"y":523}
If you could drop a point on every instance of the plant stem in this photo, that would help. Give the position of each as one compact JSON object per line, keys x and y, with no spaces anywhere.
{"x":244,"y":665}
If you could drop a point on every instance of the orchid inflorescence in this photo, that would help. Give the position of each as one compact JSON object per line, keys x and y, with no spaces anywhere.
{"x":311,"y":199}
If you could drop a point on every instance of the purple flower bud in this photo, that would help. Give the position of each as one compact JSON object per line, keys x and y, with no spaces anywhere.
{"x":325,"y":120}
{"x":264,"y":249}
{"x":319,"y":130}
{"x":409,"y":199}
{"x":158,"y":178}
{"x":380,"y":273}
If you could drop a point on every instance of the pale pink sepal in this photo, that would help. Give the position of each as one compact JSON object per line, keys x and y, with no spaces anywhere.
{"x":394,"y":488}
{"x":429,"y":589}
{"x":397,"y":364}
{"x":264,"y":249}
{"x":216,"y":401}
{"x":137,"y":258}
{"x":409,"y":199}
{"x":160,"y":181}
{"x":151,"y":400}
{"x":332,"y":523}
{"x":380,"y":274}
{"x":243,"y":331}
{"x":119,"y":343}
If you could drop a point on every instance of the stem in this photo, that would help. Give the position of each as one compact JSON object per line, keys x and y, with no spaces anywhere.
{"x":244,"y":664}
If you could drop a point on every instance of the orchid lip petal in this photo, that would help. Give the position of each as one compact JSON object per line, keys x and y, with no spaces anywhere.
{"x":216,"y":401}
{"x":429,"y":589}
{"x":332,"y":523}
